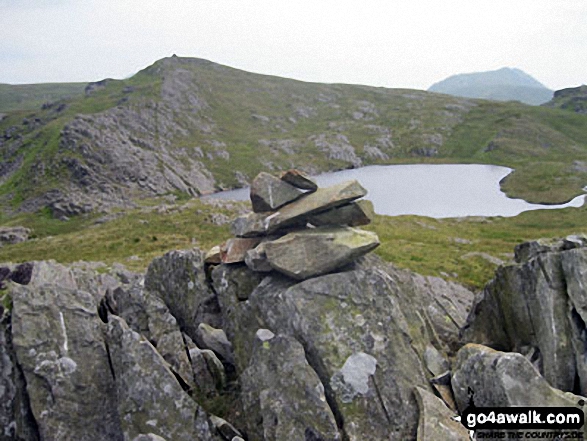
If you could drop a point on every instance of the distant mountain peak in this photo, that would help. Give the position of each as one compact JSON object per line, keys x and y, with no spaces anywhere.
{"x":505,"y":84}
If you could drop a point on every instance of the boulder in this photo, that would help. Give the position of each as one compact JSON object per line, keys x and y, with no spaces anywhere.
{"x":299,"y":179}
{"x":539,"y":303}
{"x":502,"y":379}
{"x":436,"y":420}
{"x":269,"y":193}
{"x":309,"y":253}
{"x":258,"y":224}
{"x":282,"y":395}
{"x":150,"y":400}
{"x":58,"y":341}
{"x":353,"y":215}
{"x":215,"y":340}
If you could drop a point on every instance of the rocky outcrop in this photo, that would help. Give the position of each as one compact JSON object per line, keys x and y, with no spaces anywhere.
{"x":538,"y":304}
{"x":12,"y":235}
{"x":283,"y":393}
{"x":195,"y":350}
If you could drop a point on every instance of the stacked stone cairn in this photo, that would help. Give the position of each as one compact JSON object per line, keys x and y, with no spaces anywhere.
{"x":298,"y":229}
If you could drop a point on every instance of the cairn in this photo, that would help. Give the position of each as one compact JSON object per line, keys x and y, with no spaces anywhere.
{"x":298,"y":229}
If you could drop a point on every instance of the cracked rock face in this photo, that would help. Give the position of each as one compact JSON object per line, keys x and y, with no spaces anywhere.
{"x":58,"y":340}
{"x":538,"y":304}
{"x":283,"y":397}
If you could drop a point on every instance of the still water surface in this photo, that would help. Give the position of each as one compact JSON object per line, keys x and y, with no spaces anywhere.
{"x":438,"y":191}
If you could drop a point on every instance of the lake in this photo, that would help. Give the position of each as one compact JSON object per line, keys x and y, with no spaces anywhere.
{"x":446,"y":190}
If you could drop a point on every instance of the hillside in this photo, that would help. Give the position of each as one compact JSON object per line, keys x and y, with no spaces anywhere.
{"x":186,"y":126}
{"x":505,"y":84}
{"x":33,"y":96}
{"x":573,"y":99}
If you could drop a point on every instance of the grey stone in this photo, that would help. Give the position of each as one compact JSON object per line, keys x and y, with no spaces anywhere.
{"x":179,"y":279}
{"x":309,"y":253}
{"x":435,"y":361}
{"x":345,"y":320}
{"x":234,"y":250}
{"x":227,"y":430}
{"x":150,"y":400}
{"x":283,"y":397}
{"x":436,"y":420}
{"x":57,"y":337}
{"x":12,"y":235}
{"x":215,"y":340}
{"x":353,"y":215}
{"x":258,"y":224}
{"x":233,"y":284}
{"x":269,"y":193}
{"x":503,"y":379}
{"x":299,"y":179}
{"x":256,"y":259}
{"x":529,"y":301}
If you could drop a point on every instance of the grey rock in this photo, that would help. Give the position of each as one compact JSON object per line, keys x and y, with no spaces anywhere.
{"x":436,"y":420}
{"x":16,"y":418}
{"x":435,"y":361}
{"x":536,"y":312}
{"x":215,"y":340}
{"x":353,"y":215}
{"x":346,"y":320}
{"x":299,"y":179}
{"x":12,"y":235}
{"x":227,"y":430}
{"x":269,"y":193}
{"x":258,"y":224}
{"x":283,"y":397}
{"x":234,"y":250}
{"x":57,"y":337}
{"x":233,"y":285}
{"x":209,"y":374}
{"x":309,"y":253}
{"x":150,"y":400}
{"x":256,"y":259}
{"x":179,"y":279}
{"x":502,"y":379}
{"x":148,"y":437}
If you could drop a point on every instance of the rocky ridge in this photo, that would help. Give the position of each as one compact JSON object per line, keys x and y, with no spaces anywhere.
{"x":220,"y":351}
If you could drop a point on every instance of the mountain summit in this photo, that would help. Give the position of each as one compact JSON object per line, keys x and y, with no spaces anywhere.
{"x":506,"y":84}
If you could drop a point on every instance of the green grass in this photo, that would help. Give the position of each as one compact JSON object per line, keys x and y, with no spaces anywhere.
{"x":33,"y":96}
{"x":461,"y":249}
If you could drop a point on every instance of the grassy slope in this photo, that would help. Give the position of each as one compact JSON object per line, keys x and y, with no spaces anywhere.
{"x":33,"y":96}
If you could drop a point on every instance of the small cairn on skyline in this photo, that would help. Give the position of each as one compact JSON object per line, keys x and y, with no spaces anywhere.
{"x":298,"y":229}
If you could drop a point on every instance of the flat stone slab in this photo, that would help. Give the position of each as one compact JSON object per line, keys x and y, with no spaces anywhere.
{"x":234,"y":250}
{"x":269,"y":193}
{"x":299,"y":179}
{"x":310,"y":253}
{"x":354,"y":214}
{"x":260,"y":224}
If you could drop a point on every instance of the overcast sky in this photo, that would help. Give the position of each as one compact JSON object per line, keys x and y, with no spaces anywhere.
{"x":392,"y":43}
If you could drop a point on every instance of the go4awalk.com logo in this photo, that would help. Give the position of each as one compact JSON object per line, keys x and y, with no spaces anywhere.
{"x":555,"y":423}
